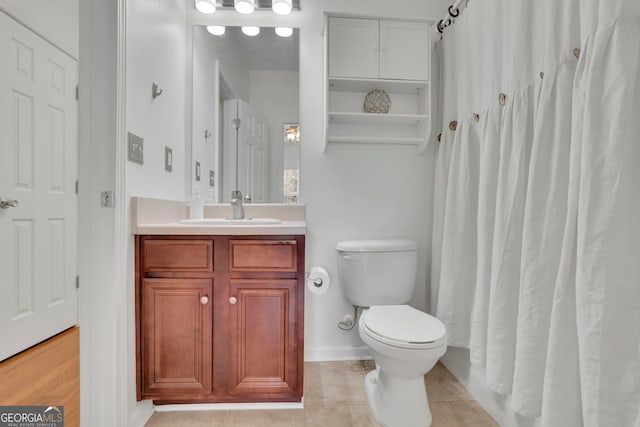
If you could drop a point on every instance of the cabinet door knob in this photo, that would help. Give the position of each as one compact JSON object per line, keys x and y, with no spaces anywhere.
{"x":204,"y":300}
{"x":233,"y":300}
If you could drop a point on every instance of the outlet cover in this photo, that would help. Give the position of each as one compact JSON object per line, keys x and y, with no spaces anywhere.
{"x":168,"y":159}
{"x":197,"y":171}
{"x":212,"y":178}
{"x":136,"y":148}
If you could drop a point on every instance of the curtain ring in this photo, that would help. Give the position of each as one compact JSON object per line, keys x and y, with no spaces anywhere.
{"x":476,"y":117}
{"x":454,"y":12}
{"x":440,"y":26}
{"x":439,"y":137}
{"x":502,"y":99}
{"x":576,"y":52}
{"x":453,"y":125}
{"x":541,"y":75}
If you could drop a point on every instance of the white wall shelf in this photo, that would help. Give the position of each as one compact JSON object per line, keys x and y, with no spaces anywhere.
{"x":375,"y":140}
{"x":359,"y":52}
{"x":377,"y":119}
{"x":348,"y":84}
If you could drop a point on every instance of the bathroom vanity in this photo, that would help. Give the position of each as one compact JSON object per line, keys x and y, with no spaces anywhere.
{"x":219,"y":313}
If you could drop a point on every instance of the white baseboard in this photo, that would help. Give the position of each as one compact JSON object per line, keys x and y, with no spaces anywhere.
{"x":229,"y":406}
{"x":141,"y":414}
{"x":473,"y":379}
{"x":325,"y":354}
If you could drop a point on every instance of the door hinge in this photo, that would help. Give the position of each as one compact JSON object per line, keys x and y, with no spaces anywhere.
{"x":77,"y":92}
{"x":76,"y":186}
{"x":77,"y":282}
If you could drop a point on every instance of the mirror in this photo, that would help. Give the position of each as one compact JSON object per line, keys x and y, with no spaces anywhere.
{"x":245,"y":131}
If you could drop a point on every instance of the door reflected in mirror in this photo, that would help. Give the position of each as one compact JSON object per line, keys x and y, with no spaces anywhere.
{"x":291,"y":140}
{"x":246,"y":98}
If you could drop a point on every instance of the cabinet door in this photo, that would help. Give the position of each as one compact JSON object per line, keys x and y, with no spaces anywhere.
{"x":263,"y":322}
{"x":353,"y":48}
{"x":175,"y":333}
{"x":404,"y":50}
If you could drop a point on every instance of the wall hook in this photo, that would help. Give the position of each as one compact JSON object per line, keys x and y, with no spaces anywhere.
{"x":207,"y":133}
{"x":155,"y":90}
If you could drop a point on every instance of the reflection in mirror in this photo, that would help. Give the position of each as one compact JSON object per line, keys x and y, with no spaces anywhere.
{"x":291,"y":188}
{"x":246,"y":99}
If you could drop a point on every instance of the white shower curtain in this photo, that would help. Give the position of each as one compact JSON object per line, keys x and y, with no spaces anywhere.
{"x":536,"y":243}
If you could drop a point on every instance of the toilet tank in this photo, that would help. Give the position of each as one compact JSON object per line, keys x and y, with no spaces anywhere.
{"x":377,"y":272}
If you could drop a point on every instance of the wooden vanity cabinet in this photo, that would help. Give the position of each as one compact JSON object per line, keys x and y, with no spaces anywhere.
{"x":219,"y":318}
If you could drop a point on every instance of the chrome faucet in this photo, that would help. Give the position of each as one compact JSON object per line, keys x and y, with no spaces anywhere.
{"x":236,"y":203}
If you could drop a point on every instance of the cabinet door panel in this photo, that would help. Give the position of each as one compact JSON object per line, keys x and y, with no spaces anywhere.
{"x":176,"y":337}
{"x":263,"y":336}
{"x":404,"y":50}
{"x":353,"y":48}
{"x":178,"y":255}
{"x":263,"y":255}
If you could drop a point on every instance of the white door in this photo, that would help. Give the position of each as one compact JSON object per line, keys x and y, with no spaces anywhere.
{"x":254,"y":143}
{"x":38,"y":170}
{"x":252,"y":155}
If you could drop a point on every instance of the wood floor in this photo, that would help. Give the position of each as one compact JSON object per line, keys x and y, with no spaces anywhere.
{"x":47,"y":374}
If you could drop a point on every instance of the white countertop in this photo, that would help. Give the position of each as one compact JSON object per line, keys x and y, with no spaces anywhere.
{"x":174,"y":228}
{"x":158,"y":217}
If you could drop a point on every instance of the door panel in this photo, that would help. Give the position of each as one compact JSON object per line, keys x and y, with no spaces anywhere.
{"x":38,"y":168}
{"x":176,"y":337}
{"x":404,"y":50}
{"x":263,"y":336}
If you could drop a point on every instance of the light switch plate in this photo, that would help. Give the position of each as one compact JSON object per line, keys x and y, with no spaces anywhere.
{"x":212,"y":178}
{"x":168,"y":159}
{"x":197,"y":171}
{"x":136,"y":148}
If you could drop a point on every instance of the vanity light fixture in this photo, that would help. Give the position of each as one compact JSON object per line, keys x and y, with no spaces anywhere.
{"x":206,"y":6}
{"x":244,"y":6}
{"x":284,"y":31}
{"x":251,"y":31}
{"x":281,"y":7}
{"x":217,"y":30}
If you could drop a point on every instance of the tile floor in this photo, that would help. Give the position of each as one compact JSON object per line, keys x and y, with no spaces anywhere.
{"x":335,"y":397}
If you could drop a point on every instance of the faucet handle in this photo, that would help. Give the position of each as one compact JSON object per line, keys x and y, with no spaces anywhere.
{"x":247,"y":198}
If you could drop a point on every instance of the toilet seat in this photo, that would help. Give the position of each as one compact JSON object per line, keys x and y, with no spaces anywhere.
{"x":403,"y":326}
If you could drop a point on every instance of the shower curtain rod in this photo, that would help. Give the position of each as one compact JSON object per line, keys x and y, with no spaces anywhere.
{"x":452,"y":13}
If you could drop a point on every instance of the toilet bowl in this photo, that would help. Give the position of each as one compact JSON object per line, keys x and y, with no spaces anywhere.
{"x":406,"y":343}
{"x":379,"y":275}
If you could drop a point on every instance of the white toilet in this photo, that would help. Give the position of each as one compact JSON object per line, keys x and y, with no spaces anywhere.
{"x":379,"y":275}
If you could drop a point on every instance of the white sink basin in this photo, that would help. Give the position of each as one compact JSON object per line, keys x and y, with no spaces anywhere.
{"x":229,"y":221}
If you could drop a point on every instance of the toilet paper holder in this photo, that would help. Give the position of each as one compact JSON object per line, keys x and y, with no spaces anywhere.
{"x":317,"y":282}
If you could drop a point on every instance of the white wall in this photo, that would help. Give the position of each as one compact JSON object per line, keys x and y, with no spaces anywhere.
{"x":156,"y":52}
{"x":267,"y":86}
{"x":355,"y":191}
{"x":205,"y":103}
{"x":57,"y":21}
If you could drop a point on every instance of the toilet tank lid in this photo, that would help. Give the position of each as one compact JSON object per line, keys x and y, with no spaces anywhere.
{"x":377,"y":245}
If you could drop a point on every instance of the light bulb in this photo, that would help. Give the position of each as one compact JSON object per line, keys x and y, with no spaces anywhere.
{"x":281,"y":7}
{"x":284,"y":31}
{"x":217,"y":30}
{"x":251,"y":31}
{"x":206,"y":6}
{"x":244,"y":6}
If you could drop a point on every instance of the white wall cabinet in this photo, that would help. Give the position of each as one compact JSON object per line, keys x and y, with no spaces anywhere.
{"x":367,"y":54}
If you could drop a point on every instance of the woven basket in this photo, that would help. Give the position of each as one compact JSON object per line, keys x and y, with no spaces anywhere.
{"x":376,"y":101}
